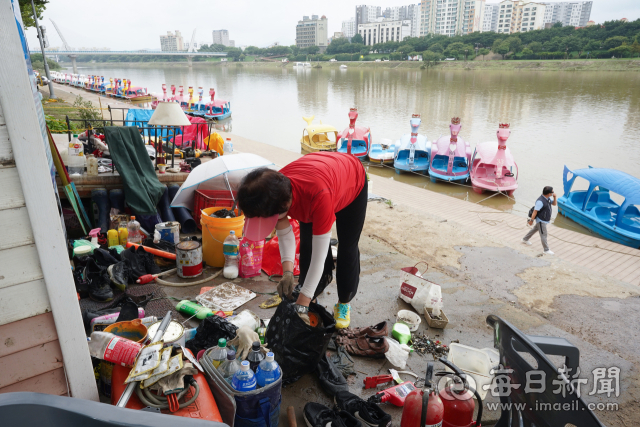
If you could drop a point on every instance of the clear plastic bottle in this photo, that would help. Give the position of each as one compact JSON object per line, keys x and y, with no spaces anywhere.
{"x":230,"y":249}
{"x":92,"y":165}
{"x":244,"y":379}
{"x":227,"y":148}
{"x":255,"y":356}
{"x":268,"y":371}
{"x":75,"y":156}
{"x":219,"y":354}
{"x":133,"y":230}
{"x":229,"y":366}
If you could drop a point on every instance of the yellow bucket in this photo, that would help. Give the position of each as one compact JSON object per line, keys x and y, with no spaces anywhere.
{"x":214,"y":231}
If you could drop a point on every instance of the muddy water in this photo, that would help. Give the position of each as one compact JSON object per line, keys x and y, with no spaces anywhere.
{"x":557,"y":117}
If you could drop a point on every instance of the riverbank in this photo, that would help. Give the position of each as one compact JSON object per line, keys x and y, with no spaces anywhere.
{"x":476,"y":65}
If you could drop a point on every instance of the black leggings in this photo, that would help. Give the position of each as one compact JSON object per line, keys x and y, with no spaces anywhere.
{"x":349,"y":223}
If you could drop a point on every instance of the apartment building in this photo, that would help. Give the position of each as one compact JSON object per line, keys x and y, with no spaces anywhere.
{"x":574,"y":14}
{"x":349,"y":28}
{"x":171,"y":42}
{"x":384,"y":31}
{"x":451,"y":17}
{"x":405,"y":13}
{"x":490,"y":22}
{"x":222,"y":37}
{"x":366,"y":14}
{"x":312,"y":32}
{"x":520,"y":16}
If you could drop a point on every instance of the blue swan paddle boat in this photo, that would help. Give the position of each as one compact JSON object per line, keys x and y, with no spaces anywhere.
{"x":412,"y":150}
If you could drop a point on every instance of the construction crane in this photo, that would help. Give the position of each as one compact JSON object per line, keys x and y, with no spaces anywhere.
{"x":66,"y":47}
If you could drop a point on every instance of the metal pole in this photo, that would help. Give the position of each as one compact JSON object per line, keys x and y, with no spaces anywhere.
{"x":44,"y":58}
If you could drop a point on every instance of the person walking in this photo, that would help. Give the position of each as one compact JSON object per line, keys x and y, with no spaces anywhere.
{"x":316,"y":190}
{"x":542,"y":215}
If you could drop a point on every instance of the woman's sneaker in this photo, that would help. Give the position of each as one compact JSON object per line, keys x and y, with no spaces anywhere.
{"x":342,"y":314}
{"x":370,"y":414}
{"x":317,"y":415}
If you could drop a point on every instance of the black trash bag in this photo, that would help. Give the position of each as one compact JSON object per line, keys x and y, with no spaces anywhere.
{"x":209,"y":332}
{"x":331,"y":379}
{"x":298,"y":347}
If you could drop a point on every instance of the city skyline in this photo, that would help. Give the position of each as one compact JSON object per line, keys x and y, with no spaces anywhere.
{"x":247,"y":28}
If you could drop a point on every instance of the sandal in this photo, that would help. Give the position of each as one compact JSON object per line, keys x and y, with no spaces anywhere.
{"x":365,"y":346}
{"x":379,"y":330}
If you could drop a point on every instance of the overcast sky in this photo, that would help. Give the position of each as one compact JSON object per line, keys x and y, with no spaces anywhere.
{"x":138,"y":24}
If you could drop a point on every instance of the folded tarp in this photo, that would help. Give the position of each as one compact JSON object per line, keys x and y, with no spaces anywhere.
{"x":142,"y":189}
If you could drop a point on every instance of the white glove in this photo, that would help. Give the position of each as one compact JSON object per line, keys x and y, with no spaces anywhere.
{"x":245,"y":337}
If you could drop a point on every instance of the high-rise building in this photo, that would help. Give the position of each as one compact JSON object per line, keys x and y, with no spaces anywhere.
{"x":171,"y":42}
{"x":569,"y":13}
{"x":490,"y":21}
{"x":221,"y":37}
{"x":405,"y":13}
{"x":384,"y":31}
{"x":451,"y":17}
{"x":516,"y":16}
{"x":312,"y":32}
{"x":366,"y":14}
{"x":349,"y":28}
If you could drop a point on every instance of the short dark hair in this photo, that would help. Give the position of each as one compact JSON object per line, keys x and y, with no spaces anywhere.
{"x":547,"y":190}
{"x":264,"y":193}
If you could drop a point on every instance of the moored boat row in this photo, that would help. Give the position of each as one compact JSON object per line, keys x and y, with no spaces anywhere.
{"x":116,"y":87}
{"x":213,"y":109}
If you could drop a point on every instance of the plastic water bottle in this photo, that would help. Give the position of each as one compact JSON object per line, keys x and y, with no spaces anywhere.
{"x":244,"y":379}
{"x":227,"y":148}
{"x":268,"y":371}
{"x":230,"y":249}
{"x":255,"y":356}
{"x":133,"y":230}
{"x":229,"y":366}
{"x":75,"y":156}
{"x":219,"y":354}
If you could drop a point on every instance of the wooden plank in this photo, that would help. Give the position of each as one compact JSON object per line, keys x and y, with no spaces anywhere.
{"x":20,"y":264}
{"x":27,"y":333}
{"x":52,"y":382}
{"x":16,"y":228}
{"x":30,"y":152}
{"x":11,"y":195}
{"x":23,"y":301}
{"x":29,"y":363}
{"x":628,"y":270}
{"x":613,"y":268}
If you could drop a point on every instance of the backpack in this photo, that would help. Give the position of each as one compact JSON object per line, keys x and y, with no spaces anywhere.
{"x":531,"y":212}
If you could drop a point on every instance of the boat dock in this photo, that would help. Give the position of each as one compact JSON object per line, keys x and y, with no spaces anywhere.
{"x":600,"y":256}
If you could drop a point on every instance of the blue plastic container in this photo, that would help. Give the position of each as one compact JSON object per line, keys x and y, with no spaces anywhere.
{"x":268,"y":371}
{"x":244,"y":379}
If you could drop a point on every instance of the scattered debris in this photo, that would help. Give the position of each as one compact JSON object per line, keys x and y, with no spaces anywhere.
{"x":423,"y":344}
{"x":224,"y":213}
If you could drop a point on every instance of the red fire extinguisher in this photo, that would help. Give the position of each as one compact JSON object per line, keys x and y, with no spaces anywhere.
{"x":457,"y":399}
{"x":423,"y":408}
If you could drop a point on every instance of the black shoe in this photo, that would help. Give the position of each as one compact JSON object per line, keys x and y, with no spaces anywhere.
{"x":317,"y":415}
{"x":330,"y":377}
{"x":136,"y":263}
{"x":150,"y":265}
{"x":98,"y":279}
{"x":119,"y":274}
{"x":369,"y":413}
{"x":103,"y":257}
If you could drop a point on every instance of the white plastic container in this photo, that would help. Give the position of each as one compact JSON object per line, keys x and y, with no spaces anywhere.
{"x":409,"y":318}
{"x":246,"y":318}
{"x":75,"y":156}
{"x":476,"y":363}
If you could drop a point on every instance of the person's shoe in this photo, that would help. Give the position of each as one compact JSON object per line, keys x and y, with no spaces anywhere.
{"x":379,"y":330}
{"x":149,"y":261}
{"x":103,"y":257}
{"x":136,"y":263}
{"x":349,"y":420}
{"x":364,"y":346}
{"x":342,"y":314}
{"x":98,"y":282}
{"x":526,"y":242}
{"x":119,"y":274}
{"x":331,"y":379}
{"x":369,"y":413}
{"x":549,"y":252}
{"x":317,"y":415}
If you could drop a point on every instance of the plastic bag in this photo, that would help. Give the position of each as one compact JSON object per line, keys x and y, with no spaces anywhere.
{"x":209,"y":332}
{"x":250,"y":257}
{"x":411,"y":281}
{"x":297,"y":346}
{"x":397,"y":354}
{"x":271,"y":263}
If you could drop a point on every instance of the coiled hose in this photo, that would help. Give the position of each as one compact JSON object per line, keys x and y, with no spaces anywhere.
{"x":160,"y":402}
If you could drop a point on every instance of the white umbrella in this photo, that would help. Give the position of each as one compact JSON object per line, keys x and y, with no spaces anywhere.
{"x":222,"y":173}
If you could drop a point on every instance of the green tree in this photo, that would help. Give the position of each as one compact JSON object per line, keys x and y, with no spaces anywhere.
{"x":86,"y":110}
{"x":295,"y":50}
{"x":337,"y":46}
{"x":312,"y":50}
{"x":405,"y":49}
{"x":27,"y":11}
{"x":635,"y":47}
{"x":592,"y":45}
{"x":535,"y":47}
{"x":615,"y":41}
{"x":526,"y":52}
{"x":430,"y":58}
{"x":496,"y":45}
{"x":436,"y":47}
{"x":357,"y":39}
{"x":484,"y":51}
{"x":515,"y":44}
{"x":621,"y":51}
{"x":503,"y":49}
{"x":454,"y":50}
{"x":557,"y":25}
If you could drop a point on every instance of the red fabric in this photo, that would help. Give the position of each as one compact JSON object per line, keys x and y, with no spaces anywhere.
{"x":197,"y":131}
{"x":271,"y":262}
{"x":323,"y":184}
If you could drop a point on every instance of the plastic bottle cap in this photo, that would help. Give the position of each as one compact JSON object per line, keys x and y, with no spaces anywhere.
{"x":231,"y":355}
{"x":222,"y":342}
{"x":228,"y":139}
{"x":133,"y":218}
{"x":75,"y":135}
{"x":232,"y":232}
{"x":244,"y":366}
{"x":270,"y":357}
{"x":255,"y":346}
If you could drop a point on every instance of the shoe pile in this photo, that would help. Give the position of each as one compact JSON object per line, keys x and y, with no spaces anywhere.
{"x":367,"y":342}
{"x":350,"y":411}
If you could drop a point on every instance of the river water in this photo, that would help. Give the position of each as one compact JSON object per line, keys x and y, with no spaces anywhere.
{"x":557,"y":118}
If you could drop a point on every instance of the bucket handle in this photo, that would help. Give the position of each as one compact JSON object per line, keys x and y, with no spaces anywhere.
{"x":207,"y":227}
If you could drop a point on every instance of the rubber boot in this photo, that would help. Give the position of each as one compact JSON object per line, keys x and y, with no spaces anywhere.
{"x":98,"y":281}
{"x":182,"y":215}
{"x":100,"y":207}
{"x":117,"y":199}
{"x":164,"y":207}
{"x":148,"y":222}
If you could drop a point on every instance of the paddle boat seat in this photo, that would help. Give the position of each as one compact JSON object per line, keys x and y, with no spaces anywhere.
{"x":603,"y":214}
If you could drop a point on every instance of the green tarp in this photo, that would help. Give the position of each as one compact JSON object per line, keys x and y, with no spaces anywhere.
{"x":142,"y":189}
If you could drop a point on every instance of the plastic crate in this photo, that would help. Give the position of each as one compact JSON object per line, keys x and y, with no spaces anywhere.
{"x":210,"y":199}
